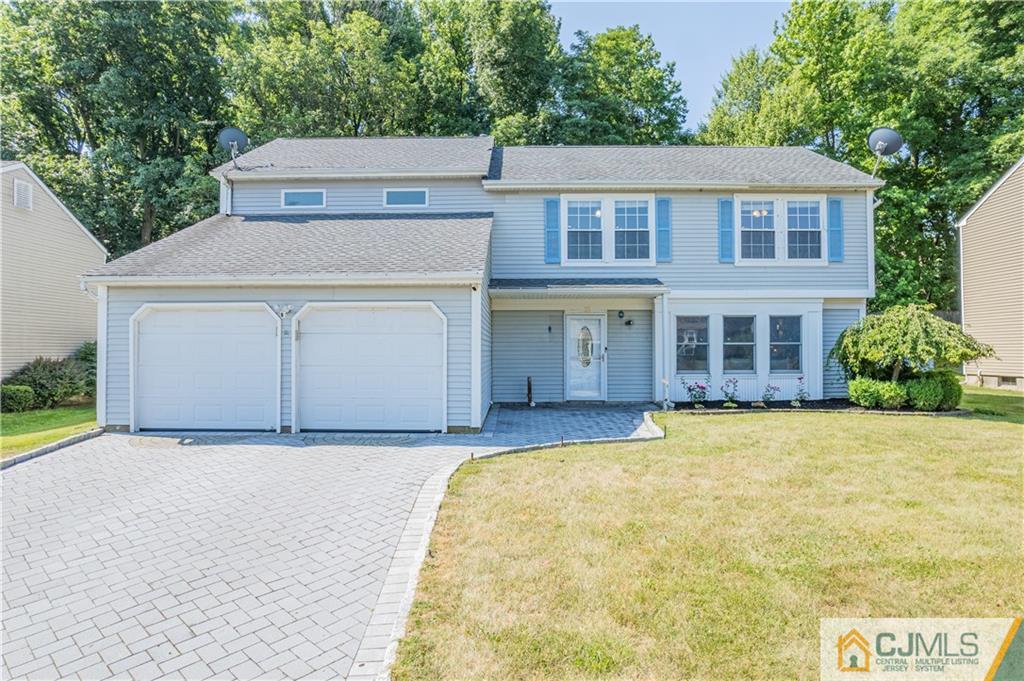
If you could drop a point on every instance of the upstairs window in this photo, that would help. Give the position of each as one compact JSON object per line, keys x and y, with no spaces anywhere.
{"x":757,"y":230}
{"x":303,"y":198}
{"x":406,"y":198}
{"x":632,"y":231}
{"x":22,"y":194}
{"x":803,"y":230}
{"x":584,"y":234}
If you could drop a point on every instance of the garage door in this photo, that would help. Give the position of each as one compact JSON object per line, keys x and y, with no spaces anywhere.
{"x":370,"y":368}
{"x":206,"y":368}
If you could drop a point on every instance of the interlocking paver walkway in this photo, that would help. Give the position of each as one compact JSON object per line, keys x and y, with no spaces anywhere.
{"x":234,"y":555}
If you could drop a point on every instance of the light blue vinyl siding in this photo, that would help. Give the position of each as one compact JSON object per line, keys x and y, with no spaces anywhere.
{"x":630,"y":356}
{"x":517,"y":246}
{"x":453,"y":302}
{"x":833,"y":321}
{"x":522,"y":347}
{"x":527,"y":343}
{"x":358,"y":196}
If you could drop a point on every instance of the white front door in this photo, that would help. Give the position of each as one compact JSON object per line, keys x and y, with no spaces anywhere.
{"x":584,"y":357}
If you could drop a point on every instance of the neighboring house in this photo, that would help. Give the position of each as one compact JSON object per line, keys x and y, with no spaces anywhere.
{"x":45,"y":249}
{"x":992,"y":280}
{"x":408,"y":283}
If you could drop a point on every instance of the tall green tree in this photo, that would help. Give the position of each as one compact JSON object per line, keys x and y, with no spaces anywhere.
{"x":117,"y":106}
{"x":618,"y":91}
{"x":949,"y":76}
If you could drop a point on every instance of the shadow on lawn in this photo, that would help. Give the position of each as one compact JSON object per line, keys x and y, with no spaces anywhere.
{"x":992,"y":405}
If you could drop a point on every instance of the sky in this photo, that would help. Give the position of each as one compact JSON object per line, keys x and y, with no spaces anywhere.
{"x":700,"y":37}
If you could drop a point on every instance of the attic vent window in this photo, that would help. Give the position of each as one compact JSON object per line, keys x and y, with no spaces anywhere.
{"x":22,"y":194}
{"x":405,"y":198}
{"x":303,"y":198}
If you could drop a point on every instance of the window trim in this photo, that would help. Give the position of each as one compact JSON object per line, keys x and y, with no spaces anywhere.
{"x":707,"y":344}
{"x":28,"y":192}
{"x":799,"y":344}
{"x":295,"y":190}
{"x":406,"y":206}
{"x":781,"y":231}
{"x":753,"y":344}
{"x":608,"y":258}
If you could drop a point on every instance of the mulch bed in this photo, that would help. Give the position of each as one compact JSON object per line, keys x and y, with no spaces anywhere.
{"x":839,"y":405}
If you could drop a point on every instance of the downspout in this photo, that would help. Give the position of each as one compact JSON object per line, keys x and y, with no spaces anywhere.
{"x":230,"y":198}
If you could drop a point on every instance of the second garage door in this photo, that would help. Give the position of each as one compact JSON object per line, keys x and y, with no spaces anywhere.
{"x":370,"y":368}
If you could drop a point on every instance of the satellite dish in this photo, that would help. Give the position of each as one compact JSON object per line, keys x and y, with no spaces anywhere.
{"x":883,"y":142}
{"x":233,"y":140}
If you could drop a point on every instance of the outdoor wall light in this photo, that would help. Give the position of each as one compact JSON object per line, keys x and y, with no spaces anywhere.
{"x":621,"y":314}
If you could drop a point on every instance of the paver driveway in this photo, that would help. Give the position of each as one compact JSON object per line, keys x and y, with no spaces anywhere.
{"x":245,"y":556}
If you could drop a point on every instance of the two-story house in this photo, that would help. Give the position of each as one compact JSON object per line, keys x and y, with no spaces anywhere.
{"x":409,"y":283}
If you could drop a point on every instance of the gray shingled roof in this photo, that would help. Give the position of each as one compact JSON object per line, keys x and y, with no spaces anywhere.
{"x":367,"y":156}
{"x":518,"y":284}
{"x":314,"y":245}
{"x":689,"y":165}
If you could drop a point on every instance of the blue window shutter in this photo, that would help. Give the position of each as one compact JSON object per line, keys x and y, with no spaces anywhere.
{"x":835,"y":230}
{"x":726,"y":243}
{"x":552,"y":238}
{"x":663,"y":223}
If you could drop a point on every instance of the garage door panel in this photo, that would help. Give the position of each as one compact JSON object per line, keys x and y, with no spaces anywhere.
{"x":207,"y":369}
{"x":371,"y":369}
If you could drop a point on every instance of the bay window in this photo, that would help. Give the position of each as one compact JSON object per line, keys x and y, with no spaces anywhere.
{"x":784,"y":344}
{"x":738,"y":343}
{"x":692,"y":345}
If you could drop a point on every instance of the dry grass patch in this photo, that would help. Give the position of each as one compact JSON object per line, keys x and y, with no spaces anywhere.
{"x":714,"y":553}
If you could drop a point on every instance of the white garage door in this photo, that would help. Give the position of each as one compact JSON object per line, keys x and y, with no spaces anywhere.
{"x":206,"y":369}
{"x":370,"y":368}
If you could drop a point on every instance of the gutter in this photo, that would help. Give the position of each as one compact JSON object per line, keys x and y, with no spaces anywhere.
{"x":511,"y":186}
{"x":334,"y":279}
{"x":320,"y":174}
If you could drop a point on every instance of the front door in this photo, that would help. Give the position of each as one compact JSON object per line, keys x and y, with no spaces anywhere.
{"x":584,"y":357}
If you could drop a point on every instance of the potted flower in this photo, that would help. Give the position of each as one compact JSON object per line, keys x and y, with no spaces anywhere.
{"x":801,"y":393}
{"x":769,"y":394}
{"x":698,"y":392}
{"x":730,"y":389}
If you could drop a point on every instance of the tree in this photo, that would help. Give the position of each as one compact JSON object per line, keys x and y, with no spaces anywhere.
{"x":618,"y":91}
{"x":902,"y":341}
{"x":116,"y":106}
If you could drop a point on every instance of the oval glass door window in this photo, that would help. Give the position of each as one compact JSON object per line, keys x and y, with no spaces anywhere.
{"x":585,"y":347}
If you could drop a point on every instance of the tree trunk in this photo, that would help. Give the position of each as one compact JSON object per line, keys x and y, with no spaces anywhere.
{"x":148,"y":218}
{"x":896,"y":371}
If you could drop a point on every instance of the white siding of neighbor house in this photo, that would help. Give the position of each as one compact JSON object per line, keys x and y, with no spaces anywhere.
{"x":833,"y":322}
{"x":253,"y":197}
{"x":524,"y":347}
{"x":630,"y":356}
{"x":518,"y":249}
{"x":42,"y":308}
{"x":454,"y":303}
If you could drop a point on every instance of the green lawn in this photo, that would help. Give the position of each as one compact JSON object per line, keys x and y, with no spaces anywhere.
{"x":28,"y":430}
{"x":992,"y":404}
{"x":713,"y":554}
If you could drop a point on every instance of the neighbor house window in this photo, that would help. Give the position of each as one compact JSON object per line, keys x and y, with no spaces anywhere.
{"x":405,"y":198}
{"x":784,"y":344}
{"x":303,"y":198}
{"x":757,"y":230}
{"x":692,"y":344}
{"x":803,"y":230}
{"x":738,"y":343}
{"x":632,"y":231}
{"x":584,"y":233}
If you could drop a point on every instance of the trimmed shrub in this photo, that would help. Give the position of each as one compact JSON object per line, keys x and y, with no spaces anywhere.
{"x":872,"y":394}
{"x":52,"y":380}
{"x":14,"y":398}
{"x":936,"y":391}
{"x":85,"y":355}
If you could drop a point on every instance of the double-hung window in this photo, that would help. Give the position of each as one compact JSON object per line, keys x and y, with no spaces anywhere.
{"x":632,"y":231}
{"x":757,"y":230}
{"x":692,"y":345}
{"x":784,"y":344}
{"x":608,"y":230}
{"x":584,"y":234}
{"x":803,"y":230}
{"x":780,"y":229}
{"x":738,"y":343}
